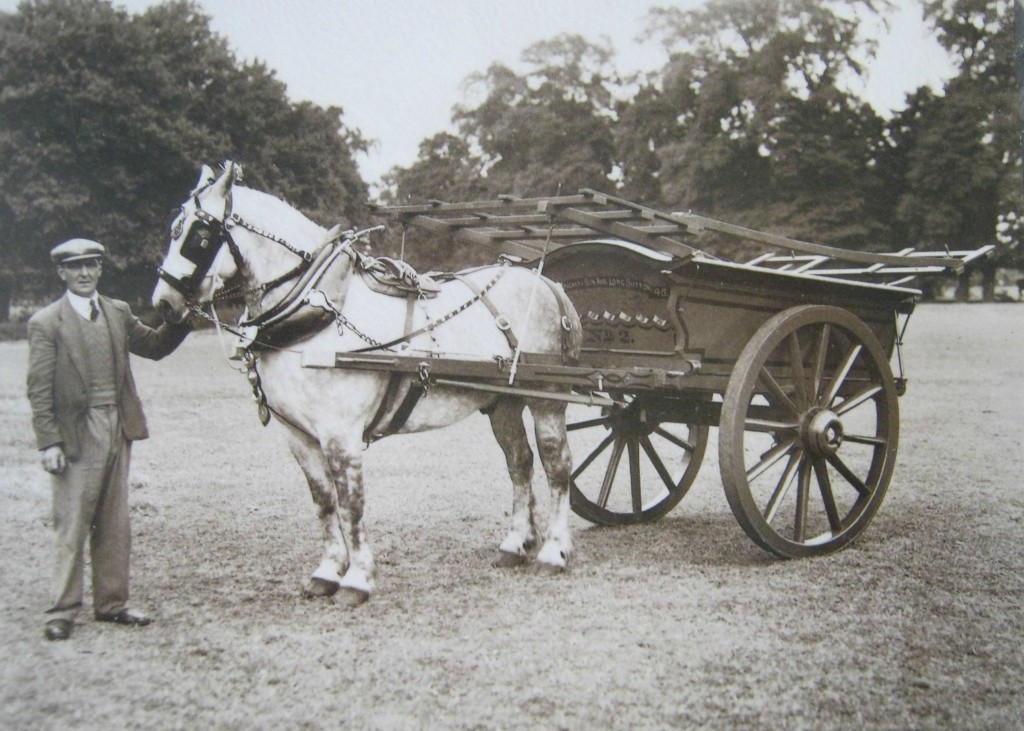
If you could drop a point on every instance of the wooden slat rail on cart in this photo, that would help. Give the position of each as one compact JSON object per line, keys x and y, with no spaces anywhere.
{"x":528,"y":226}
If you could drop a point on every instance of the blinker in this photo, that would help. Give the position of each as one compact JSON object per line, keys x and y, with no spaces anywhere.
{"x":200,"y":247}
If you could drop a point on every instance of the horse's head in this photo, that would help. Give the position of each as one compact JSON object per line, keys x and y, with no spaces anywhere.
{"x":199,"y":258}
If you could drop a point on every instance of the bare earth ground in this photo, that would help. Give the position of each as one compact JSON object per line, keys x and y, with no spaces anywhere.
{"x":679,"y":624}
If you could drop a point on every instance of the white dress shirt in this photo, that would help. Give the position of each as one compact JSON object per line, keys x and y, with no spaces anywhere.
{"x":82,"y":304}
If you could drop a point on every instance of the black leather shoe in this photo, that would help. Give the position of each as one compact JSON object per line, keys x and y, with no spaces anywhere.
{"x":126,"y":617}
{"x":58,"y":629}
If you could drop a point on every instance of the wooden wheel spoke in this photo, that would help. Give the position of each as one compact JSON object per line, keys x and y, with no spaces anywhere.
{"x":848,"y":475}
{"x":771,"y":457}
{"x":827,"y":498}
{"x":659,"y":466}
{"x":678,"y":441}
{"x":634,"y":475}
{"x":609,"y":473}
{"x":770,"y":427}
{"x":782,"y":488}
{"x":589,"y":423}
{"x":840,"y":377}
{"x":818,"y":372}
{"x":796,"y":364}
{"x":802,"y":498}
{"x":593,"y":455}
{"x":780,"y":396}
{"x":856,"y":400}
{"x":874,"y":441}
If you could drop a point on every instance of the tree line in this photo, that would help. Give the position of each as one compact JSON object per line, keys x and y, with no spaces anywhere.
{"x":105,"y":117}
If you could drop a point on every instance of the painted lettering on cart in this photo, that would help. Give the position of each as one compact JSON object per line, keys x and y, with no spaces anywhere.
{"x":609,"y":338}
{"x":616,"y":282}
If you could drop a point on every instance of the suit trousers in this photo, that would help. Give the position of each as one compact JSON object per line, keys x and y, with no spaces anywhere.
{"x":90,"y":501}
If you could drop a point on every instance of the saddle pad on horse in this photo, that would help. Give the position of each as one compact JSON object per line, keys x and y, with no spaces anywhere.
{"x":394,"y":277}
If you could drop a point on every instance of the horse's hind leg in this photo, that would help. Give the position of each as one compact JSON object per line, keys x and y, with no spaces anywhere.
{"x":327,"y":577}
{"x":553,"y":446}
{"x":507,"y":423}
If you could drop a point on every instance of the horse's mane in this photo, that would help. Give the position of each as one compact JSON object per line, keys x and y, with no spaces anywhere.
{"x":277,"y":217}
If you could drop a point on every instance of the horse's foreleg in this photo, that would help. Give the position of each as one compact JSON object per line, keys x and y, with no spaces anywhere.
{"x":345,"y":462}
{"x":327,"y":577}
{"x":553,"y":446}
{"x":507,"y":423}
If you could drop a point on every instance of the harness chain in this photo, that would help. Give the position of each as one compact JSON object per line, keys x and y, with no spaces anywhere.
{"x":239,"y":221}
{"x":434,"y":324}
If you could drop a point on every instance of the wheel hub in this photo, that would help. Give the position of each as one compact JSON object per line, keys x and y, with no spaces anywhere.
{"x":632,"y":421}
{"x":822,"y":432}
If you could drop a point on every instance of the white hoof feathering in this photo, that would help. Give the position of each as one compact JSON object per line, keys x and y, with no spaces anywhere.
{"x":357,"y":581}
{"x":553,"y":555}
{"x":514,"y":543}
{"x":327,"y":572}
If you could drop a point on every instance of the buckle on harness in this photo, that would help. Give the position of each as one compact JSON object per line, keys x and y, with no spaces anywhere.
{"x":423,"y":373}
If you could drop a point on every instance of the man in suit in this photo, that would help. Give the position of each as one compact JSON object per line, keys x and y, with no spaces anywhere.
{"x":86,"y":413}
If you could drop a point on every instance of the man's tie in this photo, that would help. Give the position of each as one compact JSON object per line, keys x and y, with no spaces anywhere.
{"x":94,"y":311}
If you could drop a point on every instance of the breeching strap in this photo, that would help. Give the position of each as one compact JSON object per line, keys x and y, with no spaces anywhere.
{"x":529,"y":305}
{"x":499,"y":318}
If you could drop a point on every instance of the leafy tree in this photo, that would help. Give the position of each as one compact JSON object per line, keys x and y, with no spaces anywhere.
{"x":749,"y":121}
{"x":105,"y":118}
{"x":960,"y":151}
{"x":550,"y":127}
{"x":540,"y":132}
{"x":445,"y":170}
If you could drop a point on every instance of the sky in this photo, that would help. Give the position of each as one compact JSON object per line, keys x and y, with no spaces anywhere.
{"x":397,"y":67}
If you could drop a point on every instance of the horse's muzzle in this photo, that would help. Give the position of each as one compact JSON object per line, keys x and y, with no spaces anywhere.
{"x":167,"y":311}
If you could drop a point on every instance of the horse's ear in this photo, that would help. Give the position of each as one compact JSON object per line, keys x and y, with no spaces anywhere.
{"x":206,"y":177}
{"x":227,"y":178}
{"x":234,"y":169}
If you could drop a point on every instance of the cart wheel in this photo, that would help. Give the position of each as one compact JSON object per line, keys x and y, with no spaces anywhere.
{"x":661,"y":462}
{"x":809,"y":430}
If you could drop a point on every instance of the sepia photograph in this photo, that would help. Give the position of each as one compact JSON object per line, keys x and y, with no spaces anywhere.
{"x":511,"y":364}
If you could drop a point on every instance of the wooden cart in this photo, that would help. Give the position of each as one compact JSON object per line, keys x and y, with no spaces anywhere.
{"x":790,"y":356}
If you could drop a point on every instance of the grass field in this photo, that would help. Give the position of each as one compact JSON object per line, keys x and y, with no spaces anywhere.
{"x":679,"y":624}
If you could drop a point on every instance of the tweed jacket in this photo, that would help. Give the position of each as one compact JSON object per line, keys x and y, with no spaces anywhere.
{"x":58,"y":386}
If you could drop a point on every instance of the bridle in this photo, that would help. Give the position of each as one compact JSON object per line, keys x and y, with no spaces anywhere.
{"x":203,"y":241}
{"x":206,"y":236}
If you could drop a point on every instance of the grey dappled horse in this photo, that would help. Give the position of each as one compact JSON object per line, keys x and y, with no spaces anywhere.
{"x":227,"y":232}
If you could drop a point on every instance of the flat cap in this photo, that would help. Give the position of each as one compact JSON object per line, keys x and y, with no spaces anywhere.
{"x":76,"y":250}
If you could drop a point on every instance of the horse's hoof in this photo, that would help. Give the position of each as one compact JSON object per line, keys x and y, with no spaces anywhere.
{"x":507,"y":560}
{"x":350,"y":598}
{"x":317,"y":587}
